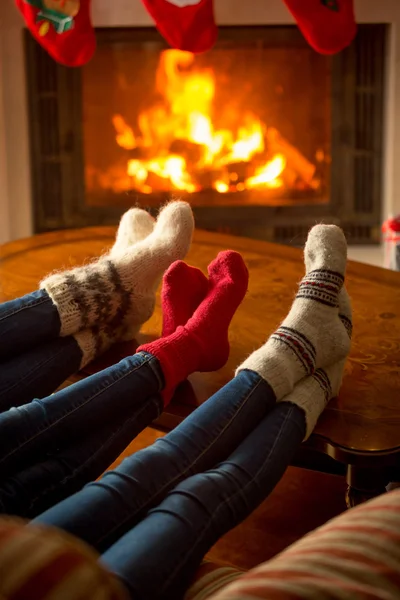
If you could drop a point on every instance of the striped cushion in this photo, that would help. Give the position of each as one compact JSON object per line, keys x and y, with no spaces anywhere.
{"x":355,"y":556}
{"x":38,"y":563}
{"x":210,"y":578}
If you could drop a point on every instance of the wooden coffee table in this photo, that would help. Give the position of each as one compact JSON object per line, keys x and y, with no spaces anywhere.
{"x":359,"y":432}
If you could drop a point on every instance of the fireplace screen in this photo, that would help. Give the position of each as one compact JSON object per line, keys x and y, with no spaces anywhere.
{"x":262,"y":135}
{"x":244,"y":123}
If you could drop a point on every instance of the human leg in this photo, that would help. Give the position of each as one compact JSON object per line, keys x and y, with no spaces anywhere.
{"x":26,"y":323}
{"x":106,"y":509}
{"x":203,"y":443}
{"x":28,"y":434}
{"x":30,"y":491}
{"x":34,"y":319}
{"x":205,"y":506}
{"x":159,"y":557}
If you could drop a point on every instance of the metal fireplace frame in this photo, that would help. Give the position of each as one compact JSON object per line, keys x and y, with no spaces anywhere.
{"x":358,"y":73}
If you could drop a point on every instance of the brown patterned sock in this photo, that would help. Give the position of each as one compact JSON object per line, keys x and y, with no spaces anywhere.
{"x":120,"y":287}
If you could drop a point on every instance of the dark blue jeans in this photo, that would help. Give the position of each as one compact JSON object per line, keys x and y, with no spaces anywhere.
{"x":34,"y":360}
{"x":159,"y":512}
{"x":51,"y":446}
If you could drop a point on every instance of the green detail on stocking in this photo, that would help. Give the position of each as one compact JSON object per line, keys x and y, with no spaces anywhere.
{"x":59,"y":19}
{"x":331,"y":4}
{"x":60,"y":22}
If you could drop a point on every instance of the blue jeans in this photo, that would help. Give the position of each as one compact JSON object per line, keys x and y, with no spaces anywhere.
{"x":34,"y":360}
{"x":158,"y":513}
{"x":50,"y":447}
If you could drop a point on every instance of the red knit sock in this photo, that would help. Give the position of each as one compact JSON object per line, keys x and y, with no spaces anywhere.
{"x":183,"y":288}
{"x":328,"y":25}
{"x":202,"y":344}
{"x":62,"y":27}
{"x":185,"y":24}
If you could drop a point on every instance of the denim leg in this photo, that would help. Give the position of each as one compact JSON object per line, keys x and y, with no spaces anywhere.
{"x":29,"y":433}
{"x":37,"y":488}
{"x":38,"y":372}
{"x":105,"y":510}
{"x":158,"y":558}
{"x":27,"y":322}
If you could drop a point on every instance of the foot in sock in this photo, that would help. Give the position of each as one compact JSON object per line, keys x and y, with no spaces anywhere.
{"x":183,"y":288}
{"x":119,"y":288}
{"x":313,"y":393}
{"x":202,"y":343}
{"x":312,"y":334}
{"x":135,"y":225}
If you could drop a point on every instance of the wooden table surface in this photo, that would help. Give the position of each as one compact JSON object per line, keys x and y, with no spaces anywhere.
{"x":361,"y":427}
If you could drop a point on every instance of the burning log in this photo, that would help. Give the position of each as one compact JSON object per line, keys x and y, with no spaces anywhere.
{"x":190,"y":151}
{"x":295,"y":160}
{"x":239,"y":171}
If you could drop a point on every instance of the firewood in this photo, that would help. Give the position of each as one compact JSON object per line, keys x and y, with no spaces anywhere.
{"x":295,"y":160}
{"x":190,"y":151}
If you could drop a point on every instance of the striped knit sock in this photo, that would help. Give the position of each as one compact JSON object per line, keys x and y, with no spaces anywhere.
{"x":312,"y":334}
{"x":120,"y":287}
{"x":313,"y":393}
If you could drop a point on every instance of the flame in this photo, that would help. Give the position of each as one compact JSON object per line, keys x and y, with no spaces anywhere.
{"x":268,"y":175}
{"x":177,"y":145}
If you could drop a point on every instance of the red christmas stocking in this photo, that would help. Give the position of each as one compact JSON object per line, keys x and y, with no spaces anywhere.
{"x":62,"y":27}
{"x":328,"y":25}
{"x":185,"y":24}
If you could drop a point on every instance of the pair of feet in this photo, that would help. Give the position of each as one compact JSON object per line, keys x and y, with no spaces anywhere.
{"x":303,"y":360}
{"x":116,"y":295}
{"x":110,"y":299}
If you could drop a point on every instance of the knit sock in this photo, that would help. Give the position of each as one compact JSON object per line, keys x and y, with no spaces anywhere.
{"x":202,"y":344}
{"x":328,"y":25}
{"x":135,"y":225}
{"x":62,"y":27}
{"x":312,"y":334}
{"x":120,"y":288}
{"x":185,"y":24}
{"x":313,"y":393}
{"x":184,"y":287}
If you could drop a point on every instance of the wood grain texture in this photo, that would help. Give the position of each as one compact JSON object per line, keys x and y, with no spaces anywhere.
{"x":362,"y":426}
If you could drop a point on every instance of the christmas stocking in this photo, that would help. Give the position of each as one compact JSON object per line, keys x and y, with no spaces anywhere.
{"x":185,"y":24}
{"x":328,"y":25}
{"x":62,"y":27}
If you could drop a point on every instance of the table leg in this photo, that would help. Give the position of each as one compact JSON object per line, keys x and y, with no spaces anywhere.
{"x":364,"y":483}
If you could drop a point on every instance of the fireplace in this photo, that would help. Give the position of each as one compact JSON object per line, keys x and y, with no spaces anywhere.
{"x":262,"y":136}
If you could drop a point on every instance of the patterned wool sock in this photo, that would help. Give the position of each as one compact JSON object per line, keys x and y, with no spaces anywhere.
{"x":312,"y":334}
{"x":202,"y":344}
{"x":313,"y":393}
{"x":328,"y":25}
{"x":184,"y":288}
{"x":120,"y":288}
{"x":135,"y":225}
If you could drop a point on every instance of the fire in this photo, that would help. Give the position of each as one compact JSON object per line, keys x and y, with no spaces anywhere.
{"x":176,"y":143}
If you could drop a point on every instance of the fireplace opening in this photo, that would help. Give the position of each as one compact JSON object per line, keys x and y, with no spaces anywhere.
{"x":227,"y":127}
{"x":262,"y":135}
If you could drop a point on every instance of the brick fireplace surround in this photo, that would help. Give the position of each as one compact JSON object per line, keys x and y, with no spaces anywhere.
{"x":15,"y":176}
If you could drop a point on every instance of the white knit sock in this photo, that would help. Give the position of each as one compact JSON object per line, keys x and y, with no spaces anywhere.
{"x":313,"y":393}
{"x":120,"y":287}
{"x":135,"y":225}
{"x":312,"y":334}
